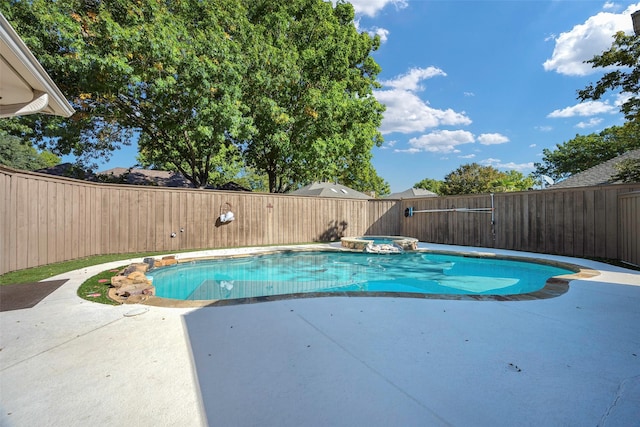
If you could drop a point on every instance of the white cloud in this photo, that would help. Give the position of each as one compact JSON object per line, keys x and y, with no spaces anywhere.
{"x":373,"y":31}
{"x":621,"y":98}
{"x":533,"y":145}
{"x":388,"y":144}
{"x":383,"y":33}
{"x":499,"y":164}
{"x":492,"y":139}
{"x":411,"y":80}
{"x":468,"y":156}
{"x":544,"y":128}
{"x":469,"y":94}
{"x":589,"y":124}
{"x":584,"y":109}
{"x":441,"y":141}
{"x":520,"y":167}
{"x":407,"y":113}
{"x":586,"y":40}
{"x":490,"y":162}
{"x":372,"y":7}
{"x":408,"y":150}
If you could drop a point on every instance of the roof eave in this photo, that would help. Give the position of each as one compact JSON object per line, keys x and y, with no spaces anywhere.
{"x":38,"y":91}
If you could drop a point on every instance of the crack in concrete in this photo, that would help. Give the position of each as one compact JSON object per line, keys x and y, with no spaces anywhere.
{"x":620,"y":392}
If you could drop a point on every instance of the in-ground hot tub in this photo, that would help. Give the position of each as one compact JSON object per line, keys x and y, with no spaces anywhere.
{"x":361,"y":243}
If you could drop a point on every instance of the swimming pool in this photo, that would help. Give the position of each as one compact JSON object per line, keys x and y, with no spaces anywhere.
{"x":352,"y":273}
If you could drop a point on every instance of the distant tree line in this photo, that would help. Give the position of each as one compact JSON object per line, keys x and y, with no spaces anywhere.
{"x":21,"y":155}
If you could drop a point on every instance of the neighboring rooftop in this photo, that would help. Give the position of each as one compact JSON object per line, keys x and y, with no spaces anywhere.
{"x":148,"y":177}
{"x":598,"y":175}
{"x":412,"y":193}
{"x":231,"y":186}
{"x":68,"y":170}
{"x":329,"y":189}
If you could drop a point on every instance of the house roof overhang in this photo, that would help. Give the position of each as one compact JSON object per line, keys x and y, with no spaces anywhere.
{"x":25,"y":87}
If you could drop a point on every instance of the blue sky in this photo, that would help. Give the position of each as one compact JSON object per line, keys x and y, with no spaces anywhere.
{"x":492,"y":82}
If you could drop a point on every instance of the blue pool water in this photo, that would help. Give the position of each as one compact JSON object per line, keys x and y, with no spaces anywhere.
{"x":306,"y":272}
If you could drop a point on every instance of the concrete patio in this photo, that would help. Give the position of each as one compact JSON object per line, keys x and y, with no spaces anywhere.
{"x":573,"y":360}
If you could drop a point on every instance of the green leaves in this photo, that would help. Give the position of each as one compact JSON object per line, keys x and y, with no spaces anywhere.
{"x":20,"y":155}
{"x":309,"y":99}
{"x":210,"y":87}
{"x":628,"y":170}
{"x":475,"y":179}
{"x":586,"y":151}
{"x":624,"y":53}
{"x":429,"y":184}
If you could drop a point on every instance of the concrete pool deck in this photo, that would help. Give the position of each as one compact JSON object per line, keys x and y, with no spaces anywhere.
{"x":573,"y":360}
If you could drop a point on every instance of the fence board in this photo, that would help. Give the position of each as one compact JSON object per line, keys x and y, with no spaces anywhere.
{"x":22,"y":224}
{"x":4,"y":216}
{"x":611,"y":224}
{"x":569,"y":240}
{"x":12,"y":225}
{"x":629,"y":245}
{"x":43,"y":223}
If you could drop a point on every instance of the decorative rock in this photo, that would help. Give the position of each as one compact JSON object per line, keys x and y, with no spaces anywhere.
{"x":132,"y":289}
{"x":118,"y":281}
{"x":132,"y":285}
{"x":135,"y":267}
{"x":164,"y":262}
{"x":138,"y":277}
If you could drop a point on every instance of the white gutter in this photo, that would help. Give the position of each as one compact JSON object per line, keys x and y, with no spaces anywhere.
{"x":25,"y":87}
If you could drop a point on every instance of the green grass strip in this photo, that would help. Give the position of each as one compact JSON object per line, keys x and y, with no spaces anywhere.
{"x":44,"y":272}
{"x":96,"y":288}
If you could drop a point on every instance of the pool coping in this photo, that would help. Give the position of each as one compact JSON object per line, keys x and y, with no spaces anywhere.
{"x":554,"y":287}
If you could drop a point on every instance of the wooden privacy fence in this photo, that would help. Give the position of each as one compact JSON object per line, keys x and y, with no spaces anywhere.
{"x":581,"y":222}
{"x":45,"y":219}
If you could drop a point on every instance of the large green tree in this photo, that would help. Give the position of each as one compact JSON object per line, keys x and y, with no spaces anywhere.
{"x":20,"y":155}
{"x":210,"y":87}
{"x":512,"y":180}
{"x":586,"y":151}
{"x":430,"y":184}
{"x":309,"y":90}
{"x":168,"y":72}
{"x":473,"y":178}
{"x":470,"y":178}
